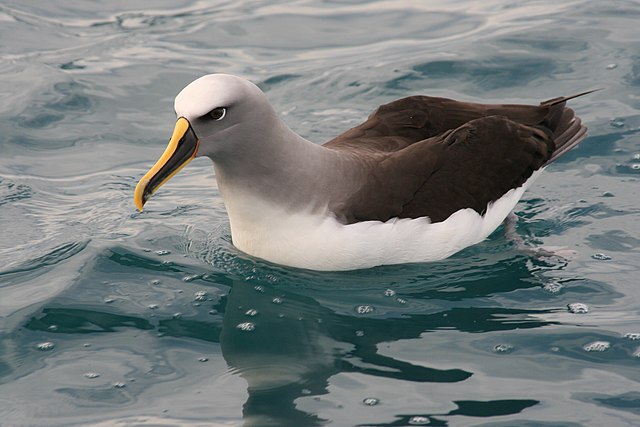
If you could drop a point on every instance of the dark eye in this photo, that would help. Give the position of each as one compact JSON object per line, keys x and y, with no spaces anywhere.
{"x":218,"y":113}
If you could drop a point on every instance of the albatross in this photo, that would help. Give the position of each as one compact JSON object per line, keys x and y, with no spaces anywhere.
{"x":421,"y":179}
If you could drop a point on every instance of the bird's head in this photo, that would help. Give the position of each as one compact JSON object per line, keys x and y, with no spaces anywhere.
{"x":218,"y":116}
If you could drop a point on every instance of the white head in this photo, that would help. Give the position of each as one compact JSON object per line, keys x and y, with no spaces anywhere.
{"x":221,"y":116}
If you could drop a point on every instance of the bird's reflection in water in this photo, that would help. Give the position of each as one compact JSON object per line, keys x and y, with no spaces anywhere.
{"x":287,"y":345}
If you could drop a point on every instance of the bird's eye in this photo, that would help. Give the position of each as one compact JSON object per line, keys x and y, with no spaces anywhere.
{"x":218,"y":113}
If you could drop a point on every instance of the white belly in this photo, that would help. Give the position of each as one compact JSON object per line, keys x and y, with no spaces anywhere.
{"x":319,"y":242}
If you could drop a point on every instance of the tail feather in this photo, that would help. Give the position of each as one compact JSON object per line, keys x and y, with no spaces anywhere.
{"x":567,"y":128}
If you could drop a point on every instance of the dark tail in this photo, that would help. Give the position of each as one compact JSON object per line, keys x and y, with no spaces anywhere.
{"x":567,"y":128}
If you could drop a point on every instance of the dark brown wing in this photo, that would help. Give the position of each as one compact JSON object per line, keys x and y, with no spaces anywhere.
{"x":437,"y":156}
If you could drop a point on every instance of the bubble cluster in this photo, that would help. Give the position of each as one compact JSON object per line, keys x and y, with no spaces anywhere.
{"x":277,"y":300}
{"x":419,"y":420}
{"x":45,"y":346}
{"x":598,"y":346}
{"x":502,"y":348}
{"x":201,"y":296}
{"x":246,"y":326}
{"x":389,"y":293}
{"x":552,"y":287}
{"x":119,"y":385}
{"x":370,"y":401}
{"x":578,"y":308}
{"x":92,"y":375}
{"x":163,"y":252}
{"x":601,"y":257}
{"x":364,"y":309}
{"x":251,"y":312}
{"x":632,"y":336}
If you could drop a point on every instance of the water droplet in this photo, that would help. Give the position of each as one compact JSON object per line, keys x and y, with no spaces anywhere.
{"x":370,"y":401}
{"x":502,"y":348}
{"x":203,"y":359}
{"x":389,"y":293}
{"x":251,"y":312}
{"x":201,"y":296}
{"x":45,"y":346}
{"x":632,"y":336}
{"x":401,"y":300}
{"x":259,"y":288}
{"x":163,"y":252}
{"x":419,"y":420}
{"x":601,"y":257}
{"x":119,"y":385}
{"x":277,"y":300}
{"x":359,"y":333}
{"x":364,"y":309}
{"x":552,"y":287}
{"x":177,"y":315}
{"x":155,"y":282}
{"x":578,"y":308}
{"x":617,"y":123}
{"x":152,"y":306}
{"x":597,"y":346}
{"x":92,"y":375}
{"x":612,"y":66}
{"x":246,"y":326}
{"x":52,"y":328}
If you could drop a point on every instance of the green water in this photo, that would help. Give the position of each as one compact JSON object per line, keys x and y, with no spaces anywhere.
{"x":109,"y":317}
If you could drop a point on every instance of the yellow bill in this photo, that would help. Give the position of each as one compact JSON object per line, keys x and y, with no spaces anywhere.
{"x":182,"y":148}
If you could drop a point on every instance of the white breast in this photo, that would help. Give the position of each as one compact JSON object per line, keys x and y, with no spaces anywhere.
{"x":319,"y":242}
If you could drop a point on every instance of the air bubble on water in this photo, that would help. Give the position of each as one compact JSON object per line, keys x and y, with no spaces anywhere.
{"x":45,"y":346}
{"x":502,"y":348}
{"x":359,"y":333}
{"x":152,"y":306}
{"x":599,"y":346}
{"x":246,"y":326}
{"x":277,"y":300}
{"x":552,"y":287}
{"x":177,"y":315}
{"x":190,"y":278}
{"x":259,"y":288}
{"x":364,"y":309}
{"x":203,"y":359}
{"x":401,"y":300}
{"x":635,"y":166}
{"x":155,"y":282}
{"x":617,"y":123}
{"x":370,"y":401}
{"x":578,"y":308}
{"x":201,"y":296}
{"x":637,"y":352}
{"x":305,"y":391}
{"x":108,"y":300}
{"x":92,"y":375}
{"x":251,"y":312}
{"x":119,"y":385}
{"x":389,"y":293}
{"x":163,"y":252}
{"x":213,"y":312}
{"x":52,"y":328}
{"x":601,"y":257}
{"x":86,"y":345}
{"x":608,"y":194}
{"x":419,"y":420}
{"x":167,"y":262}
{"x":632,"y":336}
{"x":612,"y":66}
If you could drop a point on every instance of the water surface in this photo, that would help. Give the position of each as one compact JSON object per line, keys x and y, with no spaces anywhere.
{"x":113,"y":317}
